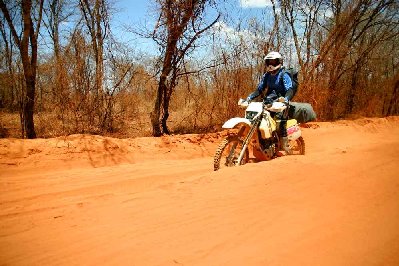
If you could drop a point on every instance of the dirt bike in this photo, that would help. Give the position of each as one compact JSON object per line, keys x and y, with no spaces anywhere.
{"x":258,"y":130}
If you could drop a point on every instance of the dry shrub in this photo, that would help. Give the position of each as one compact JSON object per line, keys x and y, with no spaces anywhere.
{"x":3,"y":131}
{"x":10,"y":126}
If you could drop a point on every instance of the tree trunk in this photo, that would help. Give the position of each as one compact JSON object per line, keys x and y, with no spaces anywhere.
{"x":98,"y":49}
{"x":165,"y":111}
{"x":156,"y":112}
{"x":29,"y":107}
{"x":161,"y":102}
{"x":350,"y":103}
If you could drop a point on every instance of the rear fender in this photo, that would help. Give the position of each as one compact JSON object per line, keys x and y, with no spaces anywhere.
{"x":294,"y":132}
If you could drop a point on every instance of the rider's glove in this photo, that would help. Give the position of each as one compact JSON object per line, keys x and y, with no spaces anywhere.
{"x":282,"y":100}
{"x":243,"y":103}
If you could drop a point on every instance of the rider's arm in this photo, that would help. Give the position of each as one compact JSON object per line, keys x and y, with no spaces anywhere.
{"x":259,"y":90}
{"x":287,"y":82}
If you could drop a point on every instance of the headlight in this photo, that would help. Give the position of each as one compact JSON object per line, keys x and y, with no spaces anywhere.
{"x":250,"y":115}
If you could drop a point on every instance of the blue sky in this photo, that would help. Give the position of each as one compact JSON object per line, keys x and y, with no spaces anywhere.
{"x":131,"y":10}
{"x":140,"y":13}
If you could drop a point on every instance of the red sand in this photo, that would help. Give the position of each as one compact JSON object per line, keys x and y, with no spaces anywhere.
{"x":92,"y":200}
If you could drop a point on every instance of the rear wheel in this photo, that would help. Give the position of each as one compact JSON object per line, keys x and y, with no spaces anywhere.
{"x":228,"y":152}
{"x":298,"y":146}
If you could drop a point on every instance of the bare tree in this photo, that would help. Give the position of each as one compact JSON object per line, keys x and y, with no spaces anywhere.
{"x":180,"y":24}
{"x":96,"y":17}
{"x":27,"y":45}
{"x":56,"y":13}
{"x":358,"y":30}
{"x":95,"y":14}
{"x":302,"y":18}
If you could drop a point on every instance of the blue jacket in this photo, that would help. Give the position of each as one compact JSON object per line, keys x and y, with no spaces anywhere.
{"x":275,"y":88}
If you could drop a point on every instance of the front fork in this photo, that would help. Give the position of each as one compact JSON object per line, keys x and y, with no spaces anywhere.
{"x":247,"y":140}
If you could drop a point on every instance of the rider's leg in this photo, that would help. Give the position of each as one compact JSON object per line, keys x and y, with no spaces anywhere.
{"x":283,"y":133}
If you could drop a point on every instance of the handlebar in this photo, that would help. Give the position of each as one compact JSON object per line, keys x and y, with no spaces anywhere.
{"x":278,"y":105}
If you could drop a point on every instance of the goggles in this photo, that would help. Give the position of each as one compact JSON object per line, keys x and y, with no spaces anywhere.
{"x":272,"y":62}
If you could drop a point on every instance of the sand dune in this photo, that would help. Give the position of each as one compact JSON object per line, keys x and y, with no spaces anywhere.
{"x":93,"y":200}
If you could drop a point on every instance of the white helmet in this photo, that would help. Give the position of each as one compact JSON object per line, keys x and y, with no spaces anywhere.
{"x":273,"y":61}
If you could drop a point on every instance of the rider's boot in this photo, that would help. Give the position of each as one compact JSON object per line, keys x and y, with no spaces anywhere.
{"x":285,"y":145}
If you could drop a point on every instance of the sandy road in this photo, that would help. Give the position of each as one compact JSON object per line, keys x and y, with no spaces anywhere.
{"x":337,"y":205}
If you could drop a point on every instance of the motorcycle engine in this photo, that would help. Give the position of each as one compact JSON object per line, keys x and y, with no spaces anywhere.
{"x":268,"y":146}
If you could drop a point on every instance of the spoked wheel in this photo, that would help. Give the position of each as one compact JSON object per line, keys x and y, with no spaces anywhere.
{"x":228,"y":152}
{"x":298,"y":146}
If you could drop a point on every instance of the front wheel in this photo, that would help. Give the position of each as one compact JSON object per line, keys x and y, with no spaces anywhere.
{"x":228,"y":152}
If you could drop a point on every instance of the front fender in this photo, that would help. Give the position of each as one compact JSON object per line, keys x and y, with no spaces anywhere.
{"x":234,"y":122}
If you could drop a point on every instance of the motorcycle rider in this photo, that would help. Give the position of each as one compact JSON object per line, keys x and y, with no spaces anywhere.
{"x":275,"y":89}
